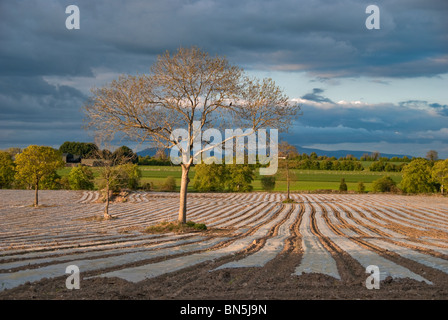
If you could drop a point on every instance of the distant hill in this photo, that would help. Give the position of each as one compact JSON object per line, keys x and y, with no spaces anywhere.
{"x":149,"y":152}
{"x":343,"y":153}
{"x":338,"y":153}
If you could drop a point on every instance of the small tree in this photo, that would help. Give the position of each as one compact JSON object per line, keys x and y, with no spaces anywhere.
{"x":268,"y":183}
{"x":35,"y":163}
{"x":361,"y":187}
{"x":52,"y":181}
{"x":440,"y":174}
{"x":169,"y":185}
{"x":375,"y":156}
{"x":432,"y":155}
{"x":240,"y":177}
{"x":161,"y":155}
{"x":112,"y":175}
{"x":6,"y":170}
{"x":131,"y":175}
{"x":384,"y":184}
{"x":81,"y":178}
{"x":417,"y":177}
{"x":342,"y":185}
{"x":287,"y":151}
{"x":125,"y":152}
{"x":210,"y":177}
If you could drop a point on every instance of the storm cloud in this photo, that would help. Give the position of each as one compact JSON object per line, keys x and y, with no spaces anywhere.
{"x":46,"y":70}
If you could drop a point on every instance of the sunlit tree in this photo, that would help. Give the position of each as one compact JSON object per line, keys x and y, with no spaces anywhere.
{"x":6,"y":170}
{"x":36,"y":163}
{"x":440,"y":174}
{"x":417,"y":177}
{"x":182,"y":89}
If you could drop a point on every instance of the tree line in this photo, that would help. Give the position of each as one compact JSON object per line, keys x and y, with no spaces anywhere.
{"x":36,"y":167}
{"x":418,"y":176}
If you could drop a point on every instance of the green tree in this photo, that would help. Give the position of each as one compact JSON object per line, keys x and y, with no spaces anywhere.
{"x":126,"y":153}
{"x":36,"y":163}
{"x":326,"y":164}
{"x":13,"y":151}
{"x":210,"y":177}
{"x":81,"y":178}
{"x":131,"y":175}
{"x":6,"y":170}
{"x":417,"y":177}
{"x":440,"y":174}
{"x":384,"y":184}
{"x":377,"y":166}
{"x":240,"y":177}
{"x":342,"y":185}
{"x":169,"y":184}
{"x":361,"y":187}
{"x":52,"y":181}
{"x":82,"y":149}
{"x":390,"y":167}
{"x":268,"y":183}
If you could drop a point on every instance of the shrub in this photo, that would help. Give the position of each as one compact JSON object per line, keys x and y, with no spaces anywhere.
{"x":342,"y":185}
{"x":197,"y":226}
{"x":81,"y":178}
{"x":147,"y":186}
{"x":169,"y":184}
{"x":51,"y":181}
{"x":377,"y":166}
{"x":268,"y":183}
{"x":210,"y":177}
{"x":176,"y":226}
{"x":240,"y":177}
{"x":361,"y":187}
{"x":384,"y":184}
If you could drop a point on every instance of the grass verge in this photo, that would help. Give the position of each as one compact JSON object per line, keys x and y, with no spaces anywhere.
{"x":177,"y":227}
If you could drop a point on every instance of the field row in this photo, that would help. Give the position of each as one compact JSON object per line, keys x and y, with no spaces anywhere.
{"x":37,"y":243}
{"x":303,"y":179}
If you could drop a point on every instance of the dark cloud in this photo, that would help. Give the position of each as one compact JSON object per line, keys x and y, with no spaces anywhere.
{"x":327,"y":39}
{"x":403,"y":123}
{"x":441,"y":109}
{"x":316,"y":96}
{"x":33,"y":99}
{"x":35,"y":112}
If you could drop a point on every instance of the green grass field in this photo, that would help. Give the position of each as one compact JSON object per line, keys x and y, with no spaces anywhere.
{"x":304,"y":180}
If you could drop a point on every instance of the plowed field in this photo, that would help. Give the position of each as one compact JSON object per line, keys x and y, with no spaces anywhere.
{"x":255,"y":247}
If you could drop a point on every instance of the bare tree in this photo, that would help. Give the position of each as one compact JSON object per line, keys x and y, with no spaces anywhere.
{"x":191,"y":90}
{"x":432,"y":155}
{"x":111,"y":172}
{"x":287,"y":151}
{"x":375,"y":155}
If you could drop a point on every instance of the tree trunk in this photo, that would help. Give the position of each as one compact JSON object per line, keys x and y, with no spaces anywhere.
{"x":287,"y":177}
{"x":106,"y":207}
{"x":183,"y":194}
{"x":36,"y":194}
